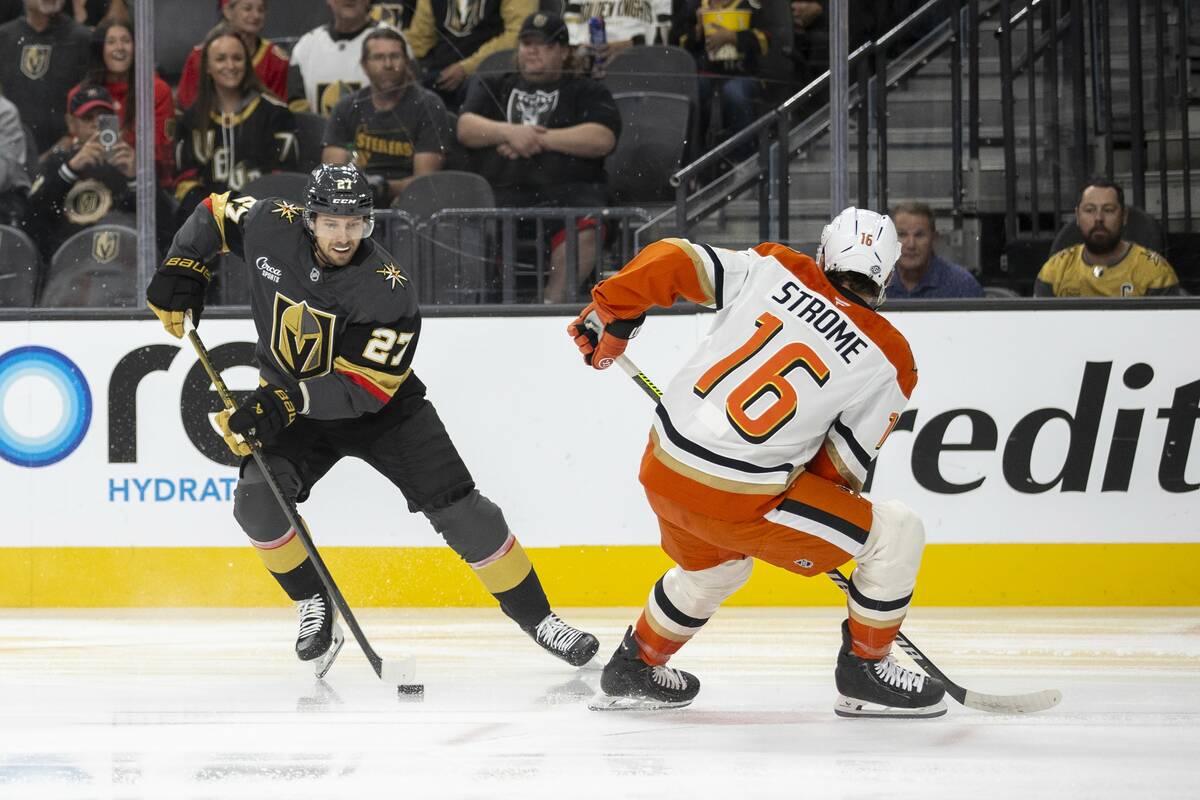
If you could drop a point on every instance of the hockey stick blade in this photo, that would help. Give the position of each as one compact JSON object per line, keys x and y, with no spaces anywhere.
{"x":393,"y":672}
{"x":993,"y":703}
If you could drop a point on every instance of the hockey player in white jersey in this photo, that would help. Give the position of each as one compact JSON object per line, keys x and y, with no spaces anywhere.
{"x":761,"y":445}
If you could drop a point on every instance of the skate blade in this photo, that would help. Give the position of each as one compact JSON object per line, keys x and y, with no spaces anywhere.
{"x":606,"y":702}
{"x":850,"y":708}
{"x":323,"y":663}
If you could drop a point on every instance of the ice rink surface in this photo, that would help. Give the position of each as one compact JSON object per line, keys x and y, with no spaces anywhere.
{"x":212,"y":704}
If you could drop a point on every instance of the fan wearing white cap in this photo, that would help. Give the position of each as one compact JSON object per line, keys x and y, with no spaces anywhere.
{"x":761,"y":445}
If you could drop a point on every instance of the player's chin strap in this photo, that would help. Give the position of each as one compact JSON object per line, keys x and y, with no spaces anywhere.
{"x":995,"y":703}
{"x":394,"y":671}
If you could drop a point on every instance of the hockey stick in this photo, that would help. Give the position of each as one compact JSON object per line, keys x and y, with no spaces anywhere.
{"x":398,"y":672}
{"x":996,"y":703}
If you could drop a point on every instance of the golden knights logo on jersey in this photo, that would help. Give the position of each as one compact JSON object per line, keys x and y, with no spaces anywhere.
{"x":35,"y":60}
{"x":463,"y":15}
{"x":87,"y":202}
{"x":301,"y":338}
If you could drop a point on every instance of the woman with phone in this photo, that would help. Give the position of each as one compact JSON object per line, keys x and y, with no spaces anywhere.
{"x":112,"y":68}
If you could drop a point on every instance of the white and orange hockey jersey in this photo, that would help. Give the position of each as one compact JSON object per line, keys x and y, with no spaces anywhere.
{"x":794,"y":375}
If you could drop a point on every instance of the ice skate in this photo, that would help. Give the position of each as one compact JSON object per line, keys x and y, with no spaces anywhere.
{"x":556,"y":637}
{"x":883,"y":688}
{"x":320,"y":638}
{"x":630,"y":684}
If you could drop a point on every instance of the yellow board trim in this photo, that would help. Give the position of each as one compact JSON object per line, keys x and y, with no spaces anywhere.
{"x":951,"y":575}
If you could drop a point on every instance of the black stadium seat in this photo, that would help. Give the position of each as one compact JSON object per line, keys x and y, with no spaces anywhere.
{"x":20,"y":265}
{"x":292,"y":19}
{"x":654,"y":128}
{"x":95,"y":268}
{"x":310,"y":136}
{"x":180,"y":25}
{"x":457,"y":250}
{"x":287,"y":185}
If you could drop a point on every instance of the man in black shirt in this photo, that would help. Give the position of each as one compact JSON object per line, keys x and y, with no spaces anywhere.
{"x":541,"y":135}
{"x":394,"y":130}
{"x":42,"y":55}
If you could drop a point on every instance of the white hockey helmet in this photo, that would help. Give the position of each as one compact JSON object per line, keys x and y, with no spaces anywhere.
{"x":861,"y":241}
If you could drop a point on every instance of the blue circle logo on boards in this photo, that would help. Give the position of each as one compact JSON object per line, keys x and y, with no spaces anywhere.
{"x":57,"y":406}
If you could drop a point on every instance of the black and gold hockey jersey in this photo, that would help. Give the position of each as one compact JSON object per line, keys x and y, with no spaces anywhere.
{"x":342,"y":337}
{"x":234,"y":149}
{"x":1140,"y":272}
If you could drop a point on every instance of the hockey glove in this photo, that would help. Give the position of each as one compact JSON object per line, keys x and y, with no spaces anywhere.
{"x":601,"y":337}
{"x":234,"y":441}
{"x":267,"y":411}
{"x":174,"y":291}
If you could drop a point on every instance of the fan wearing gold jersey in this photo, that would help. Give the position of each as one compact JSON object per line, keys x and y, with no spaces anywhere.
{"x":1105,"y":264}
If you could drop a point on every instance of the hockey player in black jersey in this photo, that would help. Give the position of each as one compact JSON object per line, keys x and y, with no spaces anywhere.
{"x":338,"y":325}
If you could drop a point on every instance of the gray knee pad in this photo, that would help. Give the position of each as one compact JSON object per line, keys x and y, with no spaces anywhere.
{"x":254,"y":504}
{"x":474,"y":527}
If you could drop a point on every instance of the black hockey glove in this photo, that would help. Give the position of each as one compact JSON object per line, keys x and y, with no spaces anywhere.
{"x":267,"y":411}
{"x":176,"y":289}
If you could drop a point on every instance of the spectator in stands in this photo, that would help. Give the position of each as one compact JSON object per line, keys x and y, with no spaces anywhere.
{"x":625,"y":25}
{"x":93,"y":12}
{"x":398,"y":15}
{"x":921,"y":274}
{"x":42,"y":55}
{"x":810,"y":41}
{"x":271,"y":64}
{"x":394,"y":130}
{"x":235,"y":131}
{"x":112,"y":68}
{"x":325,"y":62}
{"x":731,"y":41}
{"x":451,"y":37}
{"x":542,"y":134}
{"x":14,"y":173}
{"x":81,"y":184}
{"x":1105,"y":264}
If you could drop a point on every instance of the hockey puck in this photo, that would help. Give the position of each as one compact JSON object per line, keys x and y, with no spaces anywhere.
{"x":411,"y":690}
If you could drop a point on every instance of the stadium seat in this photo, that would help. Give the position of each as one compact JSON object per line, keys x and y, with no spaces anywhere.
{"x":670,"y":70}
{"x":179,"y":25}
{"x":497,"y":63}
{"x":293,"y":19}
{"x":457,"y":250}
{"x":310,"y":136}
{"x":1000,"y":291}
{"x":95,"y":268}
{"x":20,"y":265}
{"x":31,"y":153}
{"x":287,"y":185}
{"x":654,"y":128}
{"x":1140,"y":228}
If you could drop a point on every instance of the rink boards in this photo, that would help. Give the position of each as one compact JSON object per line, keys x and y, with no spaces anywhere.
{"x":1050,"y":454}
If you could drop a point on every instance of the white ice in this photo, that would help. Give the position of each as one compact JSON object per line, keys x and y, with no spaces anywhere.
{"x":212,"y":704}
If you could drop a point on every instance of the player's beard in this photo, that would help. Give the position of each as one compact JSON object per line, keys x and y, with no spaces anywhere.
{"x":1101,"y":242}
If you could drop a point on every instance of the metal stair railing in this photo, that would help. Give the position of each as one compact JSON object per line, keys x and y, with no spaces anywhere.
{"x":768,"y":169}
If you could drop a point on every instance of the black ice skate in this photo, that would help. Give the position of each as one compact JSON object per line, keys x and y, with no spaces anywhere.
{"x":628,"y":683}
{"x":320,"y":637}
{"x":556,"y":637}
{"x":883,"y":688}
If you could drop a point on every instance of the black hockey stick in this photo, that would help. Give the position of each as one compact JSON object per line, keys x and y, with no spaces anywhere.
{"x":996,"y":703}
{"x":398,"y":672}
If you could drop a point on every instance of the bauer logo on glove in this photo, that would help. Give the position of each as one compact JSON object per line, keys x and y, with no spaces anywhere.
{"x":266,"y":412}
